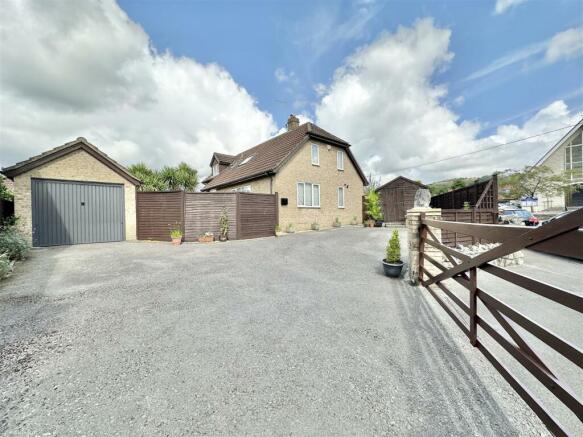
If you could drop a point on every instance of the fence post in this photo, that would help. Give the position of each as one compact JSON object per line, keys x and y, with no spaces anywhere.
{"x":422,"y":237}
{"x":473,"y":306}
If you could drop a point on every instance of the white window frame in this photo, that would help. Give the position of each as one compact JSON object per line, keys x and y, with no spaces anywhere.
{"x":301,"y":187}
{"x":215,"y":169}
{"x":569,"y":165}
{"x":246,"y":160}
{"x":317,"y":149}
{"x":338,"y":191}
{"x":340,"y":160}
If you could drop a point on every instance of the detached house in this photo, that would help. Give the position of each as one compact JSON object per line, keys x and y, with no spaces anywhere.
{"x":314,"y":173}
{"x":565,"y":155}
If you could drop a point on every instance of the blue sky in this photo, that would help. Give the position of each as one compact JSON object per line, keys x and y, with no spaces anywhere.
{"x":252,"y":39}
{"x":406,"y":83}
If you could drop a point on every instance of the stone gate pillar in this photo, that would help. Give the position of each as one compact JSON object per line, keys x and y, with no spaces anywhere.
{"x":412,"y":223}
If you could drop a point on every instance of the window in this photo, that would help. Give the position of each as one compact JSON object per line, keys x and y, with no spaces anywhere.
{"x":574,"y":157}
{"x":308,"y":195}
{"x":340,"y":197}
{"x":243,"y":189}
{"x":246,"y":160}
{"x":340,"y":160}
{"x":315,"y":154}
{"x":215,"y":169}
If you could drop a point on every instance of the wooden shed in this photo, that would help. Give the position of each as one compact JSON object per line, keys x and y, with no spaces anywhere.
{"x":397,"y":196}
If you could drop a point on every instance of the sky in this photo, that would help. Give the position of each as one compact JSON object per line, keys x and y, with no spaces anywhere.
{"x":405,"y":82}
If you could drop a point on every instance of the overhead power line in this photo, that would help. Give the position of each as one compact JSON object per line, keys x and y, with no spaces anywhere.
{"x":495,"y":146}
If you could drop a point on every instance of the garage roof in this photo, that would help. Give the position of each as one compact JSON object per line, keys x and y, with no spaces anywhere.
{"x":70,"y":147}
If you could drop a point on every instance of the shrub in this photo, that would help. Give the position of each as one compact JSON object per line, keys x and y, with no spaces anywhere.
{"x":224,"y":223}
{"x":354,"y":221}
{"x":315,"y":226}
{"x":176,"y":231}
{"x":277,"y":229}
{"x":290,"y":228}
{"x":394,"y":248}
{"x":373,"y":206}
{"x":13,"y":244}
{"x":5,"y":266}
{"x":336,"y":223}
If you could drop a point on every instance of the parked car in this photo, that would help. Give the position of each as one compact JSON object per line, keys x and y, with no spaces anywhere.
{"x":518,"y":215}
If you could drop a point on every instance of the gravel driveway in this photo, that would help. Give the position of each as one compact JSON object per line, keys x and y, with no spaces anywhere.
{"x":294,"y":335}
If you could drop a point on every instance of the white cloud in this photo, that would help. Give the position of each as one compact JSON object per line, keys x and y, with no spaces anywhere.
{"x":281,"y":75}
{"x":325,"y":28}
{"x":383,"y":100}
{"x":74,"y":69}
{"x":503,"y":5}
{"x":564,"y":45}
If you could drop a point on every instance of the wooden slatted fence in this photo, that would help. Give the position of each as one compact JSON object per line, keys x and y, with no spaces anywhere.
{"x":251,"y":215}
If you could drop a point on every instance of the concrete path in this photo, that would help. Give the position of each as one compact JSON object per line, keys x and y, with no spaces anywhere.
{"x":294,"y":335}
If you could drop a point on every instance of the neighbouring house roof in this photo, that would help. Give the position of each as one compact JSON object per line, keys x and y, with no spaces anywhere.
{"x":559,"y":143}
{"x":268,"y":157}
{"x":401,"y":178}
{"x":70,"y":147}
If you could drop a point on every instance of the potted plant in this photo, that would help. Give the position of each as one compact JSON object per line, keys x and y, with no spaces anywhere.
{"x":278,"y":232}
{"x":315,"y":226}
{"x":223,"y":226}
{"x":290,"y":228}
{"x":354,"y":221}
{"x":392,"y":264}
{"x":336,"y":223}
{"x":176,"y":236}
{"x":207,"y":237}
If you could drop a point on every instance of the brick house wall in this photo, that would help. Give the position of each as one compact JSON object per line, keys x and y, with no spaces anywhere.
{"x":76,"y":166}
{"x":300,"y":169}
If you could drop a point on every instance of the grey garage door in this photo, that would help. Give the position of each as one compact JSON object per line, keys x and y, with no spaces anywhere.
{"x":76,"y":212}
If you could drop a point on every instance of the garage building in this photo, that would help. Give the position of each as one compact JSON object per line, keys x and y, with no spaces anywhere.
{"x":74,"y":194}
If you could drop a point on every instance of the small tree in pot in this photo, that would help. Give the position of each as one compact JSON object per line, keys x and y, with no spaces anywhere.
{"x":392,"y":264}
{"x":224,"y":225}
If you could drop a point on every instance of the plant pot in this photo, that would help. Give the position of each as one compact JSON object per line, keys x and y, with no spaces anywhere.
{"x":223,"y":238}
{"x":177,"y":241}
{"x":206,"y":239}
{"x":392,"y":270}
{"x":370,"y":223}
{"x":378,"y":224}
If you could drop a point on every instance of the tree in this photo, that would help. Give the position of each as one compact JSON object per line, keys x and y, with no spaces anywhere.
{"x":182,"y":177}
{"x":458,"y":183}
{"x":4,"y":193}
{"x":151,"y":180}
{"x":372,"y":203}
{"x":533,"y":181}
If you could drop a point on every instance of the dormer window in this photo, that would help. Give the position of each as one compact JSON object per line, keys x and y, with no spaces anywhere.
{"x":246,"y":160}
{"x":215,"y":169}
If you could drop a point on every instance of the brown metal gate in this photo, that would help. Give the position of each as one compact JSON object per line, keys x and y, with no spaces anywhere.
{"x":562,"y":237}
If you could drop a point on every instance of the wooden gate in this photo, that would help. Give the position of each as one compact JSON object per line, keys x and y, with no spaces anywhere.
{"x":563,"y":237}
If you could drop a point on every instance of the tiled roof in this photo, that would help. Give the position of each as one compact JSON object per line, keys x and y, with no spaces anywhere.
{"x":223,"y":158}
{"x":65,"y":149}
{"x":267,"y":157}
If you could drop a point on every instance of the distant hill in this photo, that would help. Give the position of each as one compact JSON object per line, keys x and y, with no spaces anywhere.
{"x":446,"y":185}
